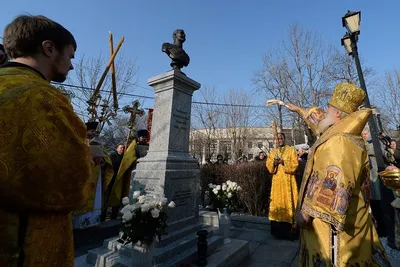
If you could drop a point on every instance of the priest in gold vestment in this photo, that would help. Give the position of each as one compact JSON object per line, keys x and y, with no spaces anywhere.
{"x":90,"y":214}
{"x":282,"y":163}
{"x":332,"y":211}
{"x":44,"y":160}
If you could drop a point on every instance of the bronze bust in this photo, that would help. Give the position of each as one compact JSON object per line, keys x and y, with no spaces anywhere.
{"x":175,"y":51}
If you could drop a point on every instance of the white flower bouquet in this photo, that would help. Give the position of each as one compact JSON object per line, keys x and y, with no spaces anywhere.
{"x":225,"y":195}
{"x":144,"y":218}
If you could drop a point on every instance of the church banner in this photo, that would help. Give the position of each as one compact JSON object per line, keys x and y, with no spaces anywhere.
{"x":149,"y":122}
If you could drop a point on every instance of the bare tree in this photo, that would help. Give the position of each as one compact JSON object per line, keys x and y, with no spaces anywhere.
{"x":117,"y":132}
{"x":88,"y":72}
{"x":238,"y":117}
{"x":206,"y":118}
{"x":390,"y":98}
{"x":271,"y":81}
{"x":342,"y":68}
{"x":297,"y":72}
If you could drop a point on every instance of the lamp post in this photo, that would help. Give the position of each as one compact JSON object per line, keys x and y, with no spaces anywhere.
{"x":351,"y":21}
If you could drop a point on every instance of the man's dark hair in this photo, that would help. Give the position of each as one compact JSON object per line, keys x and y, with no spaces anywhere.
{"x":120,"y":144}
{"x":25,"y":34}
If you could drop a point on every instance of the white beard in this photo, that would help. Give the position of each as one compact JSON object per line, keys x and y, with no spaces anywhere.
{"x":324,"y":124}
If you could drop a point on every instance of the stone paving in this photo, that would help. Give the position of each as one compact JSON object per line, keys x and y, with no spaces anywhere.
{"x":265,"y":250}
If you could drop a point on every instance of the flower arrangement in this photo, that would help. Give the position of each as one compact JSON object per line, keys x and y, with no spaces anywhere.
{"x":144,"y":218}
{"x":225,"y":195}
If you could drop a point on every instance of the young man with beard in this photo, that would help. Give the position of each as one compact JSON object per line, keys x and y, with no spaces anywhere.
{"x":44,"y":160}
{"x":333,"y":207}
{"x":282,"y":164}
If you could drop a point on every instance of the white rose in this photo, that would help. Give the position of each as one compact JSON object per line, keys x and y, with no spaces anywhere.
{"x":239,"y":188}
{"x":215,"y":191}
{"x":171,"y":204}
{"x":145,"y":208}
{"x":229,"y":195}
{"x":210,"y":185}
{"x":229,"y":182}
{"x":125,"y":209}
{"x":141,"y":199}
{"x":155,"y":213}
{"x":153,"y":204}
{"x":218,"y":187}
{"x":127,"y":217}
{"x":224,"y":187}
{"x":163,"y":202}
{"x":125,"y":201}
{"x":136,"y":194}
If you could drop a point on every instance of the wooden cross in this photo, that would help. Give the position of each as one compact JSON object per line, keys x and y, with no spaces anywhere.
{"x":133,"y":110}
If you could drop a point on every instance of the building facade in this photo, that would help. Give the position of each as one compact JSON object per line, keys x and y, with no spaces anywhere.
{"x":232,"y":143}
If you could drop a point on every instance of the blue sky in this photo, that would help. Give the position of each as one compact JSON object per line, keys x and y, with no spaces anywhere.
{"x":225,"y":39}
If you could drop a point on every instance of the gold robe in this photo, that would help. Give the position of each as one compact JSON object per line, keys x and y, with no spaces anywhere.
{"x":284,"y":193}
{"x":106,"y":177}
{"x":44,"y":171}
{"x":123,"y":180}
{"x":335,"y":193}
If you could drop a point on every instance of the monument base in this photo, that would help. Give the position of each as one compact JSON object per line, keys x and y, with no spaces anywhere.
{"x":177,"y":178}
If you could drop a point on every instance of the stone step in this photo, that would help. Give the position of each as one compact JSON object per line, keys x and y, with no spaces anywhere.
{"x":94,"y":254}
{"x":112,"y":243}
{"x":160,"y":254}
{"x":164,"y":253}
{"x":81,"y":261}
{"x":231,"y":254}
{"x":173,"y":236}
{"x":189,"y":256}
{"x":102,"y":257}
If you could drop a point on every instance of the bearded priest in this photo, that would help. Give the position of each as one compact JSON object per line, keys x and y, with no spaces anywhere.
{"x":332,"y":211}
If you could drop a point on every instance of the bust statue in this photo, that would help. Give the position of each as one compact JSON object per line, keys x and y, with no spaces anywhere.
{"x":175,"y":51}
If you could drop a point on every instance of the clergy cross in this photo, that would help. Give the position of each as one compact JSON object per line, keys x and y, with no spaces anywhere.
{"x":134,"y":110}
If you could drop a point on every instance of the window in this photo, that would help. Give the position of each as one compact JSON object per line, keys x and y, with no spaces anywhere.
{"x":249,"y":144}
{"x":225,"y":147}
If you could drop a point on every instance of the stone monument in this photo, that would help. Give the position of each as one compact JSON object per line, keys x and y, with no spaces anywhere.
{"x":168,"y":167}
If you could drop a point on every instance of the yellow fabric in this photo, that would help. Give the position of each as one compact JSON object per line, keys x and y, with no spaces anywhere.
{"x":44,"y":170}
{"x":312,"y":116}
{"x":334,"y":192}
{"x":106,"y":177}
{"x":347,"y":97}
{"x":284,"y":193}
{"x":123,"y":179}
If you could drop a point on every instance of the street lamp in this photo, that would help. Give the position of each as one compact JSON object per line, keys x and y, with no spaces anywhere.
{"x":346,"y":42}
{"x":351,"y":21}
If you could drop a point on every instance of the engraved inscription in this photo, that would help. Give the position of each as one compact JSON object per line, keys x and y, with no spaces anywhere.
{"x":182,"y":197}
{"x":181,"y":119}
